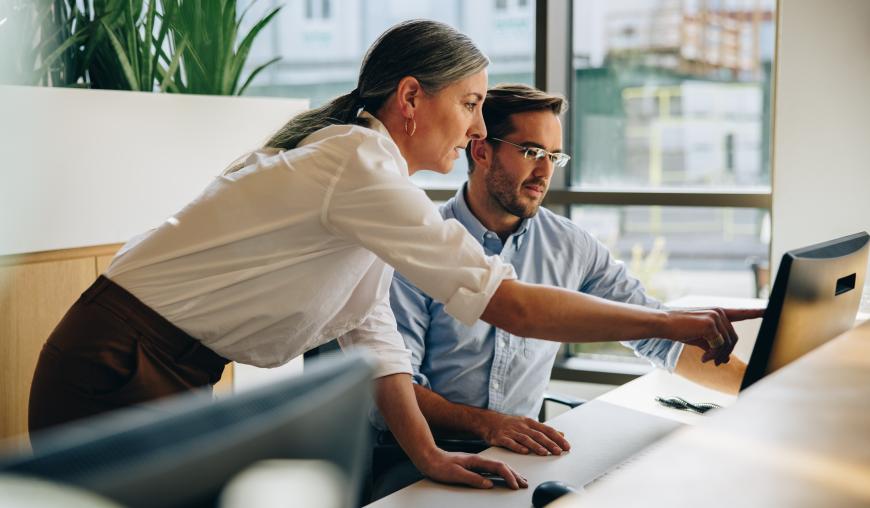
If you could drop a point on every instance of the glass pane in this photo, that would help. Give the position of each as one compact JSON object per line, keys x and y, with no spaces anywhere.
{"x":679,"y":251}
{"x":321,"y":53}
{"x":672,"y":93}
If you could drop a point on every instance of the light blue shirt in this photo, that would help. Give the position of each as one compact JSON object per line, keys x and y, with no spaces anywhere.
{"x":484,"y":366}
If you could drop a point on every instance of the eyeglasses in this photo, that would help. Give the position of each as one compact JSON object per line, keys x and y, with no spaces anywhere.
{"x":534,"y":153}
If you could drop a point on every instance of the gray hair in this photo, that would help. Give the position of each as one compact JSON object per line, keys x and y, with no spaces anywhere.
{"x":434,"y":53}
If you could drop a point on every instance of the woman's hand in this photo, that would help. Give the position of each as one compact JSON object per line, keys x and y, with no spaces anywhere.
{"x":459,"y":468}
{"x":708,"y":329}
{"x":395,"y":398}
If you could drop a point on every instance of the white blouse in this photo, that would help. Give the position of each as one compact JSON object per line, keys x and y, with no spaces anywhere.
{"x":290,"y":249}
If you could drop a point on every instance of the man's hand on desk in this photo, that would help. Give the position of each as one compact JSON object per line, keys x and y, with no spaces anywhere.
{"x":708,"y":329}
{"x":449,"y":467}
{"x":521,"y":434}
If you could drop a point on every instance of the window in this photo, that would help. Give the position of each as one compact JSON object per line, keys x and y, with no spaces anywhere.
{"x":671,"y":107}
{"x":321,"y":61}
{"x":318,"y":9}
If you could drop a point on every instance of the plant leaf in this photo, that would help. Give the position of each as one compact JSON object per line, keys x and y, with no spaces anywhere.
{"x":173,"y":66}
{"x":122,"y":57}
{"x":254,"y":74}
{"x":245,"y":47}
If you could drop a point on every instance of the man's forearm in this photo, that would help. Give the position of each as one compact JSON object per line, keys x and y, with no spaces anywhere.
{"x":443,"y":414}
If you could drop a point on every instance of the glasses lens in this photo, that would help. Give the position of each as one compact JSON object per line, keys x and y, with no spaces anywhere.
{"x":560,"y":159}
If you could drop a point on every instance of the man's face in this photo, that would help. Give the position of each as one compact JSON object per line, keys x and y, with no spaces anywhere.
{"x":516,"y":184}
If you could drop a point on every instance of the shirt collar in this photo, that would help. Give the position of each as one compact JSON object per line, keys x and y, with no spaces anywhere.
{"x":462,"y":213}
{"x":374,"y":124}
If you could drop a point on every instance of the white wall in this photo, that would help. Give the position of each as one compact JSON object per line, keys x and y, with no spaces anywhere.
{"x":89,"y":167}
{"x":821,"y":146}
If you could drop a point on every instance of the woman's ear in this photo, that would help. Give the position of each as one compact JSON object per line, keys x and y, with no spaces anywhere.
{"x":408,"y":93}
{"x":481,"y":153}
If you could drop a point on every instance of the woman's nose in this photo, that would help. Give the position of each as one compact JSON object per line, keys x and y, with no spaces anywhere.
{"x":477,"y":130}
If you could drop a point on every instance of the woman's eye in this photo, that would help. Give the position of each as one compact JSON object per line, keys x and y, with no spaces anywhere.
{"x":470,"y":105}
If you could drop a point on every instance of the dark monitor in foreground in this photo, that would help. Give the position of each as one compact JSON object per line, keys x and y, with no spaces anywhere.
{"x":815,"y":297}
{"x":182,"y":451}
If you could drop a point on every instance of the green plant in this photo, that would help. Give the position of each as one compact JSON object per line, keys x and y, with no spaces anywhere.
{"x":185,"y":46}
{"x":122,"y":45}
{"x":215,"y":52}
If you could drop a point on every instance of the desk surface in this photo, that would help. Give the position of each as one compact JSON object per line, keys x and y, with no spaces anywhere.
{"x":799,"y":438}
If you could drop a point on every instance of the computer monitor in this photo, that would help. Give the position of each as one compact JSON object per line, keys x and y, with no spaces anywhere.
{"x":182,"y":450}
{"x":815,"y":297}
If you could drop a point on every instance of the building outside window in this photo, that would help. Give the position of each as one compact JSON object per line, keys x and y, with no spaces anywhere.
{"x":318,"y":9}
{"x":671,"y":100}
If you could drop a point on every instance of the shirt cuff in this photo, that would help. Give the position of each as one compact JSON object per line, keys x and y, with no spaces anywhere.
{"x":387,"y":360}
{"x":467,"y":306}
{"x":673,"y":356}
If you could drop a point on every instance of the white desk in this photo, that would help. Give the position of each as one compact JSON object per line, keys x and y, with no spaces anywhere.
{"x":572,"y":467}
{"x":799,"y":438}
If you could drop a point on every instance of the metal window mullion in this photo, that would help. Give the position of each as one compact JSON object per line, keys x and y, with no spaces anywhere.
{"x":553,"y":69}
{"x":567,"y":197}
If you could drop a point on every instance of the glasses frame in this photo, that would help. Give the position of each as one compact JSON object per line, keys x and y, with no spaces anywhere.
{"x":559,"y":159}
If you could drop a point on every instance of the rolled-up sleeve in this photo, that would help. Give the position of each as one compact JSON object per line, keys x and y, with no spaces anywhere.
{"x":373,"y":202}
{"x":379,"y":336}
{"x":608,"y":278}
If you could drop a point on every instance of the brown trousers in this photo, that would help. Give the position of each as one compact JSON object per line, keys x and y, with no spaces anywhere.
{"x":110,"y":351}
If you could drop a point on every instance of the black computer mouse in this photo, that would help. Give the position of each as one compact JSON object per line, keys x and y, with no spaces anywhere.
{"x":548,"y":492}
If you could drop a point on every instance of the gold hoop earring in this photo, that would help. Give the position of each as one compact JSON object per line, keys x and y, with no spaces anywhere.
{"x":413,"y":127}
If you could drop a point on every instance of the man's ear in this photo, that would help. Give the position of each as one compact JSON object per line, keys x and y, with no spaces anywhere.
{"x":408,"y":93}
{"x":481,"y":153}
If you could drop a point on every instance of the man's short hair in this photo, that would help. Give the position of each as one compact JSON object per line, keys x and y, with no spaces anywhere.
{"x":503,"y":101}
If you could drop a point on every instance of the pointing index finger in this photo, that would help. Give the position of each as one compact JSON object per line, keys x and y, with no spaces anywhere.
{"x":743,"y":314}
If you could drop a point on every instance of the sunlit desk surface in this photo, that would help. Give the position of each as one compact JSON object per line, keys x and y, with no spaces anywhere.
{"x":800,"y":437}
{"x":638,"y":395}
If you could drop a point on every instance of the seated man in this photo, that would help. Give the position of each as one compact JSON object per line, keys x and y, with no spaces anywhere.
{"x":481,"y":380}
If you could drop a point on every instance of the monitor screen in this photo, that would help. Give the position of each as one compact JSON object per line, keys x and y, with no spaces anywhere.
{"x":182,"y":450}
{"x":815,"y":297}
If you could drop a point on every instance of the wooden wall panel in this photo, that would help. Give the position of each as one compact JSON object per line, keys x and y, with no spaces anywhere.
{"x":103,"y":263}
{"x":33,"y":298}
{"x":225,"y":385}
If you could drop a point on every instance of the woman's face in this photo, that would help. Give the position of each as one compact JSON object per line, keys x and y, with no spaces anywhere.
{"x":446,"y":122}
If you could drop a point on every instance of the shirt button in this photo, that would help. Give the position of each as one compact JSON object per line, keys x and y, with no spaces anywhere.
{"x":495,"y":384}
{"x":505,"y":340}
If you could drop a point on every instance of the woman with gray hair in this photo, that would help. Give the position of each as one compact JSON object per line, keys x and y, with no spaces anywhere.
{"x":295,"y":244}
